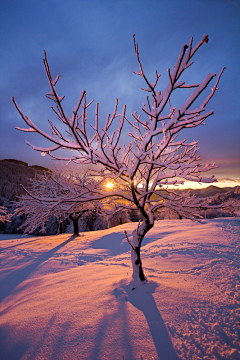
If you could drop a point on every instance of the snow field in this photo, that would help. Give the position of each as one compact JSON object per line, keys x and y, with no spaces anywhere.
{"x":72,"y":298}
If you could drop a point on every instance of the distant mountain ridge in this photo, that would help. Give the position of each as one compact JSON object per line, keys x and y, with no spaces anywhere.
{"x":211,"y":190}
{"x":13,"y":174}
{"x":19,"y":162}
{"x":17,"y":172}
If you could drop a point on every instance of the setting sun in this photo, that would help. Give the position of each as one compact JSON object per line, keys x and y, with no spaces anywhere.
{"x":109,"y":185}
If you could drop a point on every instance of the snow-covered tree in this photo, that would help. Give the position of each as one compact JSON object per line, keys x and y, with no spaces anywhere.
{"x":4,"y":216}
{"x":54,"y":193}
{"x":118,"y":218}
{"x":229,"y":200}
{"x":153,"y":158}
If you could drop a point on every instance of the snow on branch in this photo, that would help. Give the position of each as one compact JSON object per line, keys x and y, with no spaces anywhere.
{"x":4,"y":216}
{"x":59,"y":192}
{"x":146,"y":162}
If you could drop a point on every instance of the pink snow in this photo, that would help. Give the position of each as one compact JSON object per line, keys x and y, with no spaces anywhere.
{"x":72,"y":298}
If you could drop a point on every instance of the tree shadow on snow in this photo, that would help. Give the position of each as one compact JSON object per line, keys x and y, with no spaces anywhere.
{"x":15,"y":349}
{"x":115,"y":244}
{"x":10,"y":349}
{"x":142,"y":299}
{"x":105,"y":332}
{"x":9,"y":247}
{"x":8,"y":284}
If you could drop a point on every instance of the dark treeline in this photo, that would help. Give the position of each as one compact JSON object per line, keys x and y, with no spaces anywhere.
{"x":14,"y":173}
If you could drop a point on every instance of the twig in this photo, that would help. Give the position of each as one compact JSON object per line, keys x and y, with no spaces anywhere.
{"x":128,"y":239}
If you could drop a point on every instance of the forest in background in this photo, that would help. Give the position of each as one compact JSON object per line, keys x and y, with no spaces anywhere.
{"x":15,"y":173}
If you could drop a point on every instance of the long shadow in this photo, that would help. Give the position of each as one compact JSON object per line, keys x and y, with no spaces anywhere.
{"x":9,"y":349}
{"x":11,"y":237}
{"x":14,"y":349}
{"x":9,"y":247}
{"x":8,"y":284}
{"x":105,"y":328}
{"x":142,"y":299}
{"x":114,"y":243}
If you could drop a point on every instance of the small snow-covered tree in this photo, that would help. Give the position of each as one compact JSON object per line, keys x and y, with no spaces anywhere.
{"x":229,"y":200}
{"x":118,"y":217}
{"x":54,"y":193}
{"x":152,"y":160}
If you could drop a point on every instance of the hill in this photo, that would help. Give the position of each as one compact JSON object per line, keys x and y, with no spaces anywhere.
{"x":14,"y":173}
{"x":209,"y":191}
{"x":72,"y":298}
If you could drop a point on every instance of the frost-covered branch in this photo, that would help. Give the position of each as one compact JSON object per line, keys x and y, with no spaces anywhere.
{"x":144,"y":165}
{"x":57,"y":193}
{"x":4,"y":216}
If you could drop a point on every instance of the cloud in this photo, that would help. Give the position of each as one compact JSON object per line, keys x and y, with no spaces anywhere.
{"x":228,"y":180}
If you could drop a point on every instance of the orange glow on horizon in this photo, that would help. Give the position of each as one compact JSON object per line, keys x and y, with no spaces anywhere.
{"x":220,"y":183}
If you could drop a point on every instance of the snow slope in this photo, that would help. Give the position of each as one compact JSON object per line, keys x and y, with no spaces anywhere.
{"x":72,"y":298}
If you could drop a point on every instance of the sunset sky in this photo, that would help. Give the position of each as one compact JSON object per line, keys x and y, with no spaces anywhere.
{"x":89,"y":43}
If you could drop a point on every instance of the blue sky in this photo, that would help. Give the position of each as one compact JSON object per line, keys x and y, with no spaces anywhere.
{"x":89,"y":43}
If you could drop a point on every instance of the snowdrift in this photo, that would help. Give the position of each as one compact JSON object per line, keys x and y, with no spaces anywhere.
{"x":73,"y":298}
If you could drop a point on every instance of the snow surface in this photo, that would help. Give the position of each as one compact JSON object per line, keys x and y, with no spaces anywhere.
{"x":72,"y":298}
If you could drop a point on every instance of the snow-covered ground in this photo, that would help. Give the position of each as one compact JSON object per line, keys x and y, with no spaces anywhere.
{"x":72,"y":298}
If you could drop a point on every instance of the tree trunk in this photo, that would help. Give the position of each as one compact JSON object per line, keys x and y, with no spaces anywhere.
{"x":75,"y":224}
{"x":60,"y":226}
{"x":137,"y":237}
{"x":75,"y":227}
